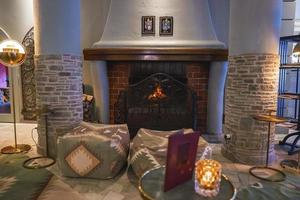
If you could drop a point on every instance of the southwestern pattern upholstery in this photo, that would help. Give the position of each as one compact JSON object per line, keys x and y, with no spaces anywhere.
{"x":93,"y":150}
{"x":149,"y":149}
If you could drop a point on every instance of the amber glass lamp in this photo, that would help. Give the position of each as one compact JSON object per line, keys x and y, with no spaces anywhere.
{"x":12,"y":54}
{"x":208,"y":177}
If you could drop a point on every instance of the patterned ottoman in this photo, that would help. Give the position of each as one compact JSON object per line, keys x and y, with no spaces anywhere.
{"x":93,"y":151}
{"x":149,"y":149}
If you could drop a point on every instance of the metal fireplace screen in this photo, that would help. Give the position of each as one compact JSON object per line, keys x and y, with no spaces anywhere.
{"x":158,"y":102}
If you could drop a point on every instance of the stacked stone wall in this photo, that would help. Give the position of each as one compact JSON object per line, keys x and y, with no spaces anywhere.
{"x":59,"y":88}
{"x":251,"y":88}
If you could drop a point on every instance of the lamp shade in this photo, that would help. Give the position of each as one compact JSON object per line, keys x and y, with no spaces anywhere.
{"x":12,"y":53}
{"x":296,"y":50}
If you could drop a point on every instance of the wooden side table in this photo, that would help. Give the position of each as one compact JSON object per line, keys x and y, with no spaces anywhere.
{"x":270,"y":119}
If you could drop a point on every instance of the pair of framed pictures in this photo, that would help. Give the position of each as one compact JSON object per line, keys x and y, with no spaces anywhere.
{"x":165,"y":25}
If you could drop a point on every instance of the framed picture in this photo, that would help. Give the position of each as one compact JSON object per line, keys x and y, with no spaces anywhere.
{"x":166,"y":26}
{"x":148,"y":25}
{"x":181,"y":156}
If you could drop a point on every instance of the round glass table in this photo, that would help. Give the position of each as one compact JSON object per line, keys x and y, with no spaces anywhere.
{"x":151,"y":187}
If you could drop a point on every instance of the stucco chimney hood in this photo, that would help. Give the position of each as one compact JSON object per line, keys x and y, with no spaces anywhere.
{"x":192,"y":24}
{"x":193,"y":32}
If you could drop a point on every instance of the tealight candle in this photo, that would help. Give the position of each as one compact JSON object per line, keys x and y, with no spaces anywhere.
{"x":208,"y":177}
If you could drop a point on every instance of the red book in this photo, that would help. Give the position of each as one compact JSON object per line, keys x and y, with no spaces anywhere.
{"x":182,"y":150}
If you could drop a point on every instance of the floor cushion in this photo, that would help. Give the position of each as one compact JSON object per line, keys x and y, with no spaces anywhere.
{"x":93,"y":151}
{"x":149,"y":149}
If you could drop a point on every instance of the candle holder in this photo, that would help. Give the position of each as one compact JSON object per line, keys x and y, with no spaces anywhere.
{"x":208,"y":177}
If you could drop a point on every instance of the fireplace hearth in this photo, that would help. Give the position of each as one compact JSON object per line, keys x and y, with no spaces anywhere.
{"x":158,"y":102}
{"x":116,"y":69}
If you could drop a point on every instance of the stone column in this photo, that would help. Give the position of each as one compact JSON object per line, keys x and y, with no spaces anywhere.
{"x":58,"y":67}
{"x":215,"y":103}
{"x":252,"y":78}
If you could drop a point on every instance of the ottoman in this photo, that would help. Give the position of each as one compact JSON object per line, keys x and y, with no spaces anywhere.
{"x":93,"y":151}
{"x":149,"y":149}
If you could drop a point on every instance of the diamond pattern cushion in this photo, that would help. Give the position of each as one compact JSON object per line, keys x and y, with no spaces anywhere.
{"x":82,"y":161}
{"x":93,"y":151}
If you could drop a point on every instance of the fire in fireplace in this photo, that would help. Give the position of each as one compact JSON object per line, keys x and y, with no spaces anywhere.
{"x":157,"y":95}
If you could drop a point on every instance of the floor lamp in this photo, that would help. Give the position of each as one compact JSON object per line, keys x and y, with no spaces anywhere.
{"x":12,"y":54}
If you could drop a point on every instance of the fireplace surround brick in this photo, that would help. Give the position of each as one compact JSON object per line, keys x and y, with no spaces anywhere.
{"x":118,"y":73}
{"x":197,"y":74}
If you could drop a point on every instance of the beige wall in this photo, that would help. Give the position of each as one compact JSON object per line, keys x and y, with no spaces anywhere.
{"x":16,"y":18}
{"x":93,"y":19}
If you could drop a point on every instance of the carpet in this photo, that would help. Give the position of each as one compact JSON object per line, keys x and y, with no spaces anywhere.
{"x":19,"y":183}
{"x":264,"y":190}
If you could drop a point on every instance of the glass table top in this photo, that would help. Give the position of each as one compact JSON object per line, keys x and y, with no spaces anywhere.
{"x":152,"y":183}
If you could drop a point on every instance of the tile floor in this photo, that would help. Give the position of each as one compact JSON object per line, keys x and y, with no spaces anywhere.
{"x":124,"y":186}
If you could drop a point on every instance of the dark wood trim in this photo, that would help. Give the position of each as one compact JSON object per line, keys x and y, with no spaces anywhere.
{"x":155,"y":54}
{"x":291,"y":38}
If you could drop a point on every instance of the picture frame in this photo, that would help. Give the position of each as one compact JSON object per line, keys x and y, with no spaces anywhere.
{"x":148,"y":25}
{"x":166,"y":24}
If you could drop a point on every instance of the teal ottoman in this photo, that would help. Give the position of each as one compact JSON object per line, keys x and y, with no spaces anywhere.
{"x":93,"y":151}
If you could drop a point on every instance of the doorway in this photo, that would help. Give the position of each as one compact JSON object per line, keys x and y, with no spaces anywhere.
{"x":5,"y":100}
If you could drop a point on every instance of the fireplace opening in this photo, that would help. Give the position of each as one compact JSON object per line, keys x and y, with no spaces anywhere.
{"x":160,"y":101}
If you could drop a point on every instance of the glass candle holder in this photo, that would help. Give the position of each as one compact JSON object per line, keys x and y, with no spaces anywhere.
{"x":208,"y":177}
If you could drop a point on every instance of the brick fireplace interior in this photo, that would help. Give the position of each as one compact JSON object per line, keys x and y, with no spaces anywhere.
{"x":195,"y":74}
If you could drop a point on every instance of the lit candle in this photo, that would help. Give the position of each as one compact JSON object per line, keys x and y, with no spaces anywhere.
{"x":208,"y":177}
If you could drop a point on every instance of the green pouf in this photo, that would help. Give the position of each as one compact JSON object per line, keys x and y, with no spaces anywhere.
{"x":149,"y":149}
{"x":19,"y":183}
{"x":93,"y":151}
{"x":263,"y":190}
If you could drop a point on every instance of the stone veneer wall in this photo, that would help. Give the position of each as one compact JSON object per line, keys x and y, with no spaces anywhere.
{"x":59,"y":86}
{"x":197,"y":74}
{"x":251,"y":89}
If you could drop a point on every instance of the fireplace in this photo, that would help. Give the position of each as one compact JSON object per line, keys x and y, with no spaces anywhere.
{"x":157,"y":97}
{"x":195,"y":50}
{"x":193,"y":76}
{"x":129,"y":66}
